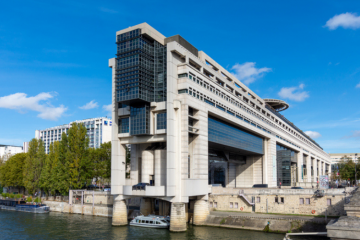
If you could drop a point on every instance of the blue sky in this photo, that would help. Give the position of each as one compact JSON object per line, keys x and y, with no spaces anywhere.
{"x":54,"y":58}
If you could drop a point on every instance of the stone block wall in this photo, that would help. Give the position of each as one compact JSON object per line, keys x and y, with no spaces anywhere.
{"x":282,"y":201}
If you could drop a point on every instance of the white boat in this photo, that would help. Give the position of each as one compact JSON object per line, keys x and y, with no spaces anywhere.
{"x":150,"y":221}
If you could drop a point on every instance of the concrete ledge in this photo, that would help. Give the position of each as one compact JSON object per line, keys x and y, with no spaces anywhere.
{"x":150,"y":191}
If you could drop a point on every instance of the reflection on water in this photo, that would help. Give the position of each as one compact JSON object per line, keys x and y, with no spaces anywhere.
{"x":20,"y":225}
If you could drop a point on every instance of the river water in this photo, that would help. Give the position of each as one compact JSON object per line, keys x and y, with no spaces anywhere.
{"x":20,"y":225}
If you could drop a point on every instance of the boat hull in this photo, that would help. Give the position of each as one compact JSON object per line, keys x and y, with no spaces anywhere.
{"x":42,"y":209}
{"x":147,"y":225}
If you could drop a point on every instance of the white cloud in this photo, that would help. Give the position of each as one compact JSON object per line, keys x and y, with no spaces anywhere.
{"x":358,"y":86}
{"x":313,"y":134}
{"x":294,"y":93}
{"x":108,"y":108}
{"x":355,"y":134}
{"x":22,"y":103}
{"x":345,"y":20}
{"x":90,"y":105}
{"x":248,"y":73}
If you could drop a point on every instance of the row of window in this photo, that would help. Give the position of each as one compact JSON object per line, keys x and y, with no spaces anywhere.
{"x":209,"y":101}
{"x":302,"y":201}
{"x":124,"y":123}
{"x":199,"y":81}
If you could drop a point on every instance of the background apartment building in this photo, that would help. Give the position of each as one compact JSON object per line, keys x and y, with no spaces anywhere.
{"x":98,"y":131}
{"x":7,"y":151}
{"x":191,"y":125}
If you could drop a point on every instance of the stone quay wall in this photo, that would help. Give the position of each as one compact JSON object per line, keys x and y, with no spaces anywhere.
{"x":269,"y":223}
{"x":281,"y":201}
{"x":85,"y":209}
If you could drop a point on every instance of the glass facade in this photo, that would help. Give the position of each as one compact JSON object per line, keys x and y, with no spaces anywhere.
{"x":141,"y":68}
{"x":229,"y":135}
{"x":140,"y":119}
{"x":161,"y":121}
{"x":286,"y":165}
{"x":140,"y":77}
{"x":124,"y":126}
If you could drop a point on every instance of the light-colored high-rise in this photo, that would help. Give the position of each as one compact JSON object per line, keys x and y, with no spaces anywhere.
{"x":98,"y":131}
{"x":7,"y":151}
{"x":191,"y":125}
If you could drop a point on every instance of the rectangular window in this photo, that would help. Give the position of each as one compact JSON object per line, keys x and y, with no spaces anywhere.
{"x":182,"y":75}
{"x":211,"y":204}
{"x":221,"y":108}
{"x":282,"y":200}
{"x":208,"y":102}
{"x":329,"y":202}
{"x":236,"y":205}
{"x":231,"y":205}
{"x":301,"y":201}
{"x":257,"y":199}
{"x":276,"y":199}
{"x":182,"y":91}
{"x":161,"y":120}
{"x":215,"y":204}
{"x":124,"y":125}
{"x":307,"y":201}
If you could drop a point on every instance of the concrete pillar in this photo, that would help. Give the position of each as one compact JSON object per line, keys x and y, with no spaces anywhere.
{"x":134,"y":164}
{"x":314,"y":164}
{"x":160,"y":167}
{"x":147,"y":165}
{"x":119,"y":217}
{"x":178,"y":217}
{"x":300,"y":162}
{"x":201,"y":211}
{"x":265,"y":160}
{"x":308,"y":168}
{"x":146,"y":206}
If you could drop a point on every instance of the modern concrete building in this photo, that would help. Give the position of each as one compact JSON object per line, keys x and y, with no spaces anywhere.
{"x":98,"y":131}
{"x":191,"y":125}
{"x":7,"y":151}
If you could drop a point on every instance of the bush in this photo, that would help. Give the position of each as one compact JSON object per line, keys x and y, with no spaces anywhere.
{"x":18,"y":196}
{"x":11,"y":195}
{"x":37,"y":200}
{"x":29,"y":199}
{"x":3,"y":195}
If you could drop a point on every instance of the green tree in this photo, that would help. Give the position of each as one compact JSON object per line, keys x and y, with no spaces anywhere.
{"x":346,"y":168}
{"x":11,"y":172}
{"x":33,"y":165}
{"x":47,"y":179}
{"x":77,"y":156}
{"x":59,"y":172}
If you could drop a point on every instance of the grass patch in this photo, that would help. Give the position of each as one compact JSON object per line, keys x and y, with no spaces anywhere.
{"x":223,"y":221}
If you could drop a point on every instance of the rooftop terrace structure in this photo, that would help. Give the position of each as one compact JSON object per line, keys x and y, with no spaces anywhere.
{"x":191,"y":125}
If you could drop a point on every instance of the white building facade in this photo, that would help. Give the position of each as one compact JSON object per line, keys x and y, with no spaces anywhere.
{"x":191,"y":125}
{"x":98,"y":131}
{"x":6,"y":151}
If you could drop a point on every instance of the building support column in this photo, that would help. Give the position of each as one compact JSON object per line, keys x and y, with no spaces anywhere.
{"x":147,"y":165}
{"x":201,"y":211}
{"x":300,"y":162}
{"x":146,"y":206}
{"x":178,"y":217}
{"x":119,"y":216}
{"x":308,"y":168}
